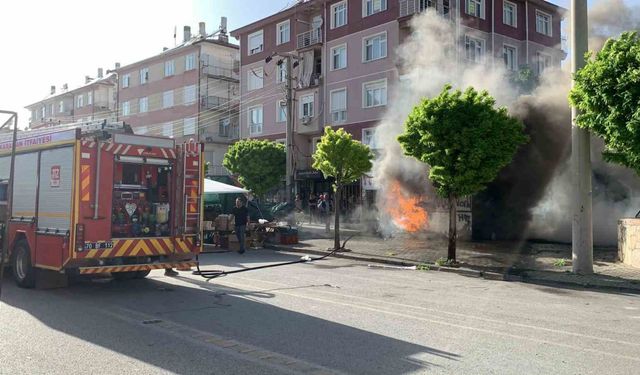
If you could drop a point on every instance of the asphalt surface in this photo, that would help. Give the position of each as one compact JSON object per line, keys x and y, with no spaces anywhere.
{"x":336,"y":316}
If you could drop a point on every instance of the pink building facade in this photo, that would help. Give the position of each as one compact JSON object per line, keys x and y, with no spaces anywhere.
{"x":187,"y":92}
{"x":347,"y":63}
{"x":95,"y":100}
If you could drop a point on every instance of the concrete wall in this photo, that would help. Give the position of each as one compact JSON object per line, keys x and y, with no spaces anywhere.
{"x":629,"y":241}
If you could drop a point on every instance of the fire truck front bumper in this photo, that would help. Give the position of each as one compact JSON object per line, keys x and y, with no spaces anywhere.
{"x":181,"y":266}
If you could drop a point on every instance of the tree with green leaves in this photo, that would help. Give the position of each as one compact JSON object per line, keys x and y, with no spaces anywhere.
{"x":465,"y":140}
{"x":607,"y":94}
{"x":260,"y":165}
{"x":346,"y":160}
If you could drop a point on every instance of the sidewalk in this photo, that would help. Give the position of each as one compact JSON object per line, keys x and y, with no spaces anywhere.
{"x":541,"y":263}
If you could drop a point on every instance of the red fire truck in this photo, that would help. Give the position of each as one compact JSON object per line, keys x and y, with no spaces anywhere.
{"x":96,"y":198}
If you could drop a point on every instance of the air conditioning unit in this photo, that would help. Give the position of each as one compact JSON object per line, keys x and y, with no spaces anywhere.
{"x":306,"y":120}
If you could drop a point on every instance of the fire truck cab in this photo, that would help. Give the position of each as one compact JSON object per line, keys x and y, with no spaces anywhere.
{"x":96,"y":198}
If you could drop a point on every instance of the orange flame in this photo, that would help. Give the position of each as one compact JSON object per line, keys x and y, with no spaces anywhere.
{"x":406,"y":210}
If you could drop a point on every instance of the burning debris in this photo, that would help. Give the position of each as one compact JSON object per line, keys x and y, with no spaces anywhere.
{"x":531,"y":198}
{"x":406,"y":210}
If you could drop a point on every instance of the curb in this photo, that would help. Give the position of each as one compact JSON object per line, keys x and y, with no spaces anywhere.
{"x":523,"y":276}
{"x":405,"y":263}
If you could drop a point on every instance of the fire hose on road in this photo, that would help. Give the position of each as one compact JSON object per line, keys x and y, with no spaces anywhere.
{"x":212,"y":274}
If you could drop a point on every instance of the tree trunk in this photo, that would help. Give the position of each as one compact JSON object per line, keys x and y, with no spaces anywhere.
{"x":336,"y":205}
{"x":453,"y":230}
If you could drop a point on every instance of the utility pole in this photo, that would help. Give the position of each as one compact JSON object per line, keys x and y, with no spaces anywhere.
{"x":289,"y":134}
{"x":582,"y":224}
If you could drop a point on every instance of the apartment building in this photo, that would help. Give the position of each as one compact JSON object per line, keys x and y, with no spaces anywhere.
{"x":346,"y":63}
{"x":187,"y":92}
{"x":95,"y":100}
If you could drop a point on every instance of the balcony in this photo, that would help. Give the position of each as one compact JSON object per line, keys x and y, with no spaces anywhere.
{"x":309,"y":38}
{"x":217,"y":170}
{"x":221,"y":72}
{"x":411,"y":7}
{"x":215,"y":103}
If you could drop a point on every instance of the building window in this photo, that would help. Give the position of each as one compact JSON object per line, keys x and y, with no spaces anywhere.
{"x":375,"y":47}
{"x":224,"y":127}
{"x":510,"y":14}
{"x":90,"y":98}
{"x":446,"y":8}
{"x":315,"y":141}
{"x":190,"y":62}
{"x":43,"y":112}
{"x":510,"y":55}
{"x":282,"y":71}
{"x":283,"y":35}
{"x":306,"y":106}
{"x":189,"y":95}
{"x":51,"y":110}
{"x":126,"y":80}
{"x":167,"y":129}
{"x":189,"y":126}
{"x":167,"y":99}
{"x":369,"y":137}
{"x":61,"y":107}
{"x":255,"y":120}
{"x":255,"y":43}
{"x":374,"y":93}
{"x":338,"y":105}
{"x":474,"y":49}
{"x":338,"y":14}
{"x":281,"y":111}
{"x":126,"y":109}
{"x":169,"y":68}
{"x":144,"y":75}
{"x":255,"y":79}
{"x":370,"y":7}
{"x":339,"y":57}
{"x":80,"y":101}
{"x":475,"y":8}
{"x":543,"y":23}
{"x":544,"y":61}
{"x":143,"y":104}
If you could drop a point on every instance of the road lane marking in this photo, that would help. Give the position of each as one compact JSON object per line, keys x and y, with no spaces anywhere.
{"x":232,"y":347}
{"x":433,"y":321}
{"x":460,"y":315}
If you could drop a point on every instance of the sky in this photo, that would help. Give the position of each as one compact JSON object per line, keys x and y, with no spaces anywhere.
{"x":47,"y":43}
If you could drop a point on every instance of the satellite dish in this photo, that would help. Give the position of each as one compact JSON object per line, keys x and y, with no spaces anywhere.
{"x":316,"y":23}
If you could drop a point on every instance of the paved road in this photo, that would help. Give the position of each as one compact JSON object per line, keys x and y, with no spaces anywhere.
{"x":337,"y":316}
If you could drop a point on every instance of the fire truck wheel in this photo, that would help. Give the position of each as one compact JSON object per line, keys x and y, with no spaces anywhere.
{"x":23,"y":271}
{"x":142,"y":274}
{"x":123,"y":275}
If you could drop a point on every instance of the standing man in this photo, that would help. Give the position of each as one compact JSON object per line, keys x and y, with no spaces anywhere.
{"x":313,"y":206}
{"x":241,"y":216}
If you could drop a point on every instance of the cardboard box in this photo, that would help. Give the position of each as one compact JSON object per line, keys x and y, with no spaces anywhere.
{"x":224,"y":222}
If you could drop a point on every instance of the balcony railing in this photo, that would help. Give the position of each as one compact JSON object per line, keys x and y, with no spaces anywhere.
{"x":215,"y":102}
{"x":410,"y":7}
{"x":309,"y":38}
{"x":219,"y":71}
{"x":217,"y":170}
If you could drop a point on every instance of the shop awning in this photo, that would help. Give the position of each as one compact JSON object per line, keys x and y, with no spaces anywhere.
{"x":216,"y":187}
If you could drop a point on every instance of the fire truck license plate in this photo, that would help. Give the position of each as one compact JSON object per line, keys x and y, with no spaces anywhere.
{"x":98,"y":245}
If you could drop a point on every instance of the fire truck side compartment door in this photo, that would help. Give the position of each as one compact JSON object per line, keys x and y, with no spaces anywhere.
{"x":26,"y":175}
{"x":56,"y":188}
